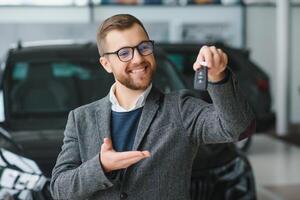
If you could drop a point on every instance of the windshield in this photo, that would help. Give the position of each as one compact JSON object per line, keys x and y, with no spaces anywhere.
{"x":51,"y":86}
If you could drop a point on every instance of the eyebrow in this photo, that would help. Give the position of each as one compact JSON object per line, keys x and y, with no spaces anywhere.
{"x":133,"y":45}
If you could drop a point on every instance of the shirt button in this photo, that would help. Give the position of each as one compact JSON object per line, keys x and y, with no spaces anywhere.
{"x":123,"y":195}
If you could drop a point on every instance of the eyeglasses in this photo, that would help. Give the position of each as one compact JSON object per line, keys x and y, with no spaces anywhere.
{"x":126,"y":54}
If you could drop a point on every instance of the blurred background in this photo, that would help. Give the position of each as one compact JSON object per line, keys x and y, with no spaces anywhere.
{"x":261,"y":38}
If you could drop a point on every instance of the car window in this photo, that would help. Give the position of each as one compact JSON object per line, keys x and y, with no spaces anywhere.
{"x":50,"y":86}
{"x":67,"y":70}
{"x":166,"y":77}
{"x":184,"y":62}
{"x":20,"y":71}
{"x":59,"y":86}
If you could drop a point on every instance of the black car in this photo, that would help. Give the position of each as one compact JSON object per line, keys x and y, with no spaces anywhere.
{"x":41,"y":83}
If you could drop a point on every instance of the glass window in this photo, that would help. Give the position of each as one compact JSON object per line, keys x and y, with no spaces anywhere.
{"x":20,"y":72}
{"x":166,"y":77}
{"x":39,"y":87}
{"x":67,"y":70}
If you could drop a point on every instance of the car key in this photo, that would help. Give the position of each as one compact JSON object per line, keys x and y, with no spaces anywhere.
{"x":200,"y":79}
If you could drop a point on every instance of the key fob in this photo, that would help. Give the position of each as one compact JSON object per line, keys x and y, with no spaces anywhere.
{"x":200,"y":79}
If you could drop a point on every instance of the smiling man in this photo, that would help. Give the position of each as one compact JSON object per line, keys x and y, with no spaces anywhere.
{"x":138,"y":143}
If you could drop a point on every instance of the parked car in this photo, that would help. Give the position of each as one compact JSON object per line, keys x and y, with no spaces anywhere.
{"x":41,"y":83}
{"x":20,"y":177}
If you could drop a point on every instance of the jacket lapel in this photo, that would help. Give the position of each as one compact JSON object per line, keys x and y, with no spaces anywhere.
{"x":149,"y":111}
{"x":103,"y":115}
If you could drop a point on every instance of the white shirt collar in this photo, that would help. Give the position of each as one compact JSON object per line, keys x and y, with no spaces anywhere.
{"x":115,"y":106}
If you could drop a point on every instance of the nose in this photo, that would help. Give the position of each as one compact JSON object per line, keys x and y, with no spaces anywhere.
{"x":137,"y":57}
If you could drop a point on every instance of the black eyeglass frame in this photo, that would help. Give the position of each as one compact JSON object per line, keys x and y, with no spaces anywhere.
{"x":134,"y":47}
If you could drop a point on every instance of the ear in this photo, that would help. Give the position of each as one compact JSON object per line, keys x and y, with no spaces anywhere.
{"x":105,"y":63}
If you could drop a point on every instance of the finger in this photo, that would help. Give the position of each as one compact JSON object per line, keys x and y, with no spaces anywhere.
{"x":199,"y":61}
{"x":221,"y":55}
{"x":107,"y":145}
{"x":214,"y":50}
{"x":217,"y":57}
{"x":128,"y":162}
{"x":119,"y":156}
{"x":208,"y":56}
{"x":225,"y":59}
{"x":146,"y":153}
{"x":197,"y":65}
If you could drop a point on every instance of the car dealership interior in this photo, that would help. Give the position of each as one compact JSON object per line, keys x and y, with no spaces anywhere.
{"x":50,"y":66}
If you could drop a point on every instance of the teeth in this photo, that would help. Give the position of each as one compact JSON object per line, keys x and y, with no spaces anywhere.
{"x":138,"y":70}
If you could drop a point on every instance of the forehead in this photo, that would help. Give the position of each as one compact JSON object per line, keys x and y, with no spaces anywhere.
{"x":132,"y":36}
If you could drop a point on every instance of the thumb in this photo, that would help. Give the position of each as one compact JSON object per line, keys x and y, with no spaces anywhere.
{"x":107,"y":145}
{"x":198,"y":64}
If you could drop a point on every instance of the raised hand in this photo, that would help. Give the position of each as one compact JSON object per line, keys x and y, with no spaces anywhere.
{"x":112,"y":160}
{"x":216,"y":61}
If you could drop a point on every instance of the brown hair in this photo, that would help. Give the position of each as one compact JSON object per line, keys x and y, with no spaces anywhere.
{"x":116,"y":22}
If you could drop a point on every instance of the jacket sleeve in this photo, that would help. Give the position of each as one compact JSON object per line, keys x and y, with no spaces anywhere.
{"x":72,"y":179}
{"x":228,"y":119}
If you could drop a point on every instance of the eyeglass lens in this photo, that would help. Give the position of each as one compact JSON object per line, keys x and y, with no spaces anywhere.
{"x":145,"y":48}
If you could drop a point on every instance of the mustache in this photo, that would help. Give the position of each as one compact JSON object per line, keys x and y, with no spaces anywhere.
{"x":138,"y":66}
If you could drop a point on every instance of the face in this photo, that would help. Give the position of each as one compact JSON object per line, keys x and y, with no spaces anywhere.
{"x":135,"y":74}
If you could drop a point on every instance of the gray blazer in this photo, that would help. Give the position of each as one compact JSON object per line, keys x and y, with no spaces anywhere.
{"x":172,"y":126}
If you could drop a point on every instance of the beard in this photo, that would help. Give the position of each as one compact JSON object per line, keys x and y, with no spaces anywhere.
{"x":139,"y":82}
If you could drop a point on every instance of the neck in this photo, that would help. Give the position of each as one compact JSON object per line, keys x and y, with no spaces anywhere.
{"x":127,"y":97}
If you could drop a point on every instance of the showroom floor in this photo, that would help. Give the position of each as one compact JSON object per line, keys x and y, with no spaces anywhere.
{"x":276,"y":166}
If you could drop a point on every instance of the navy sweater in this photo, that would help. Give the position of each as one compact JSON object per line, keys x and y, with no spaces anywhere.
{"x":123,"y":128}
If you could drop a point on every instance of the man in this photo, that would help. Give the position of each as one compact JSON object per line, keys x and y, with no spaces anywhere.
{"x":138,"y":143}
